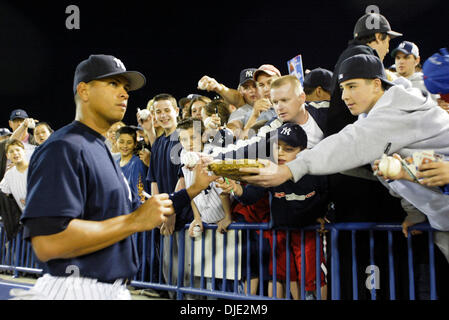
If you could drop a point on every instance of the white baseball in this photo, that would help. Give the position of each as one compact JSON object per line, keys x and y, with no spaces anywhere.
{"x":208,"y":122}
{"x":202,"y":84}
{"x":196,"y":231}
{"x":144,"y":114}
{"x":390,"y":167}
{"x":189,"y":159}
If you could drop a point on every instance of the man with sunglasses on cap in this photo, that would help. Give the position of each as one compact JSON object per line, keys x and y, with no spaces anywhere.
{"x":81,"y":216}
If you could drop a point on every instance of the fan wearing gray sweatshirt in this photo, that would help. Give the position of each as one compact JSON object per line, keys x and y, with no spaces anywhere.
{"x":388,"y":113}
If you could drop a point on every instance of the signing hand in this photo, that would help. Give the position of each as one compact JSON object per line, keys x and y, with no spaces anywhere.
{"x":153,"y":212}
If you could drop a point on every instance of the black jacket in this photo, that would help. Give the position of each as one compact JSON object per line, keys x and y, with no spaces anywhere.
{"x":10,"y":213}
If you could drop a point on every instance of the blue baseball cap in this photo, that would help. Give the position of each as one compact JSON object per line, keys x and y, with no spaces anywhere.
{"x":247,"y":75}
{"x":18,"y":113}
{"x":292,"y":134}
{"x":318,"y":77}
{"x":436,"y":72}
{"x":406,"y":47}
{"x":363,"y":66}
{"x":99,"y":66}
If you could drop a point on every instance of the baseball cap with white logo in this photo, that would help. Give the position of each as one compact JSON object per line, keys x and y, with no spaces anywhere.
{"x":406,"y":47}
{"x":99,"y":66}
{"x":247,"y":75}
{"x":292,"y":134}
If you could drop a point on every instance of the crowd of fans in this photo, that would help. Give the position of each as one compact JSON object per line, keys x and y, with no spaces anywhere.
{"x":154,"y":157}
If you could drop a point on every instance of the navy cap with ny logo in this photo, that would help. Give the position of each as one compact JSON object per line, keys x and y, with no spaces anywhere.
{"x":292,"y":134}
{"x":99,"y":66}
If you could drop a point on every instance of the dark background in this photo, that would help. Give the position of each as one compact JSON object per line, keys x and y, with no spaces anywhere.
{"x":173,"y":44}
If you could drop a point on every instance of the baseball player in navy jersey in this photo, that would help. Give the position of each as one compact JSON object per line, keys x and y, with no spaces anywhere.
{"x":80,"y":217}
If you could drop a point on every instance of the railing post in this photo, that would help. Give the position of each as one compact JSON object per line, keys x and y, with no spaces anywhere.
{"x":391,"y":266}
{"x":335,"y":265}
{"x":181,"y":253}
{"x":355,"y":285}
{"x":411,"y":274}
{"x":433,"y":290}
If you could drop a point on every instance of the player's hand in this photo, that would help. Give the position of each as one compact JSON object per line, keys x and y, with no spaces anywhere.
{"x":435,"y":174}
{"x":209,"y":84}
{"x":269,"y":176}
{"x":153,"y":212}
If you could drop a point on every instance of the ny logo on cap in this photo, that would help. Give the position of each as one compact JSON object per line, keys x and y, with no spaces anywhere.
{"x":249,"y":73}
{"x":119,"y":64}
{"x":286,"y":131}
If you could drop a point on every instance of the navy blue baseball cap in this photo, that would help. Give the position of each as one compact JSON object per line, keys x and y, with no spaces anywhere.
{"x":363,"y":66}
{"x":371,"y":23}
{"x":436,"y":72}
{"x":18,"y":113}
{"x":247,"y":75}
{"x":318,"y":77}
{"x":99,"y":66}
{"x":406,"y":47}
{"x":292,"y":134}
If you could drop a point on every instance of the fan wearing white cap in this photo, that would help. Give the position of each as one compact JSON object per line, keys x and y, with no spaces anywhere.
{"x":406,"y":57}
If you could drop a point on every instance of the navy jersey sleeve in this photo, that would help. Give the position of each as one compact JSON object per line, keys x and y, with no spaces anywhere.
{"x":56,"y":185}
{"x":55,"y":190}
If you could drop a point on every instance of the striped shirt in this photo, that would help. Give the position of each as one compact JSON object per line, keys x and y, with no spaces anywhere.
{"x":208,"y":201}
{"x":15,"y":183}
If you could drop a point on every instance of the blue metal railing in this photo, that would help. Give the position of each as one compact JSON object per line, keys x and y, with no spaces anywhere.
{"x":17,"y":257}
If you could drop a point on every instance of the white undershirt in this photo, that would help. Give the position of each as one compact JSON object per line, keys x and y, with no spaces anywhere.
{"x":15,"y":183}
{"x":313,"y":131}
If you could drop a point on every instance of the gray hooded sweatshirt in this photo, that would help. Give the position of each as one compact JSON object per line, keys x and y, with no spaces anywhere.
{"x":408,"y":120}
